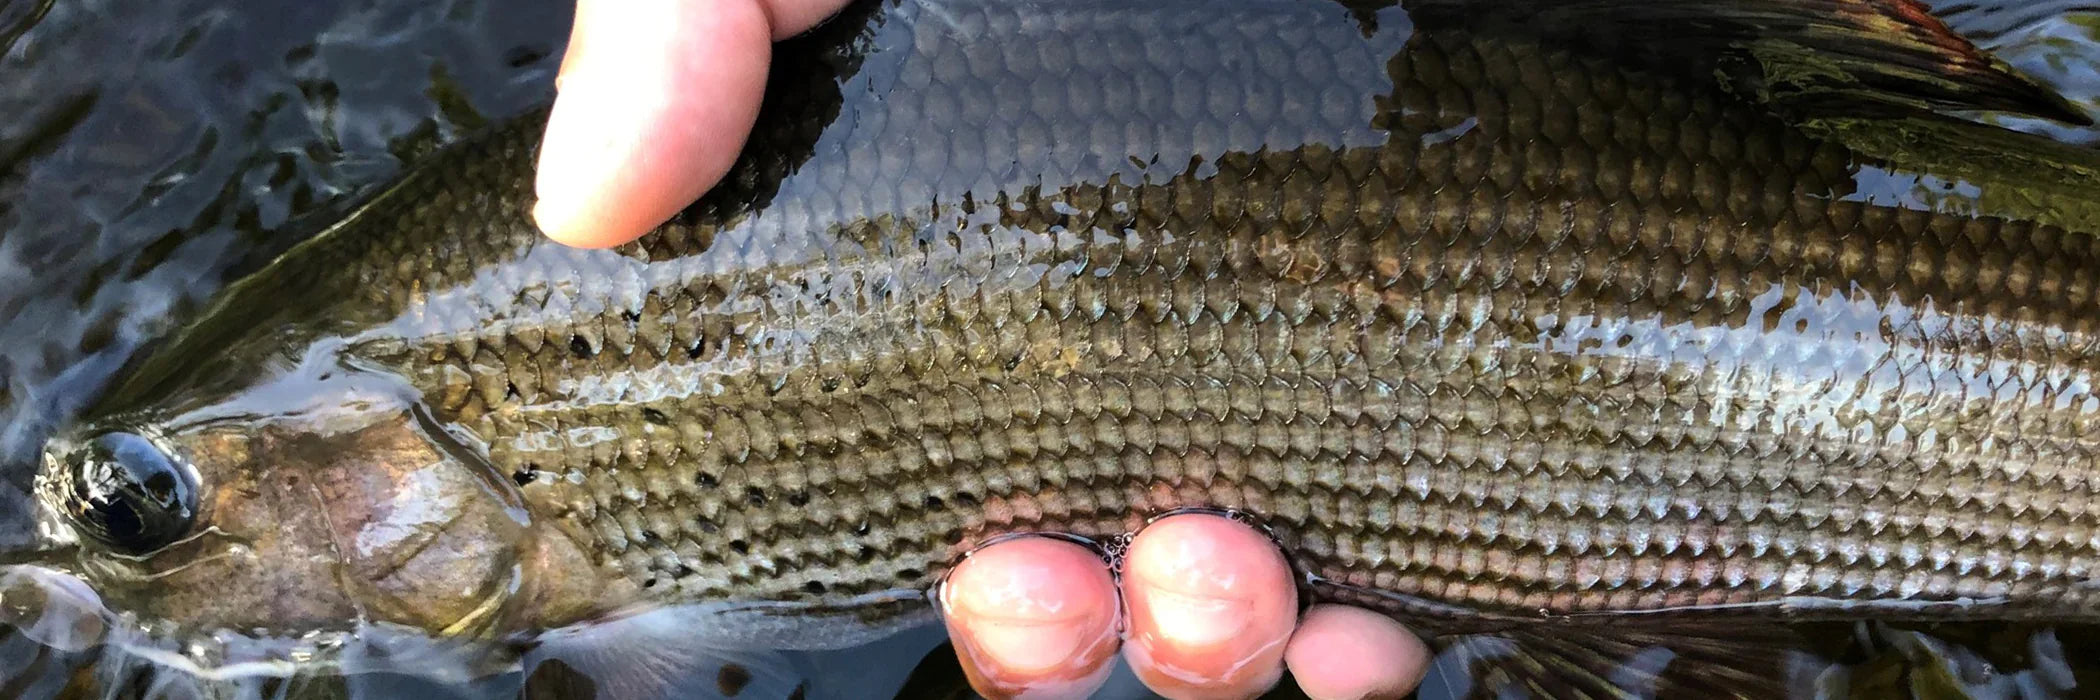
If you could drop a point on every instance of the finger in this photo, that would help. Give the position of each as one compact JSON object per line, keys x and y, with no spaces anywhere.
{"x":1345,"y":653}
{"x":656,"y":99}
{"x":1032,"y":617}
{"x":791,"y":17}
{"x":1211,"y":604}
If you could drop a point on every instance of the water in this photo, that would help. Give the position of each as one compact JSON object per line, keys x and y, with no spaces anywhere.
{"x":150,"y":150}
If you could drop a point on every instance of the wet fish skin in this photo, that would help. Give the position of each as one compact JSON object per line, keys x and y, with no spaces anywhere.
{"x":1481,"y":330}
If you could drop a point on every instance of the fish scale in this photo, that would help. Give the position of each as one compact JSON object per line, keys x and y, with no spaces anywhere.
{"x":1477,"y":326}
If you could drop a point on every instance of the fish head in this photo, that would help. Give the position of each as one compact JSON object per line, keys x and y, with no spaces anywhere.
{"x":347,"y":509}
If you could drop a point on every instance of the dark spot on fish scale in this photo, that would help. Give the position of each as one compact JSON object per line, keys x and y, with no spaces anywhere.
{"x":651,"y":583}
{"x":706,"y":525}
{"x":523,"y":476}
{"x":934,"y":503}
{"x":966,"y":499}
{"x":579,"y":346}
{"x":655,"y":416}
{"x":510,"y":391}
{"x":699,"y":348}
{"x":732,"y":679}
{"x":1014,"y":362}
{"x":631,"y":316}
{"x":862,"y":529}
{"x":740,"y":546}
{"x":829,"y":385}
{"x":706,"y":480}
{"x":650,"y":537}
{"x":755,"y":495}
{"x":864,"y":553}
{"x":908,"y":574}
{"x":798,"y":498}
{"x":681,"y":571}
{"x":814,"y":587}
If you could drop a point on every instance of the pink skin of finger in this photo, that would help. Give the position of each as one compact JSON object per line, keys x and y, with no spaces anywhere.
{"x":1211,"y":604}
{"x":655,"y":99}
{"x":1036,"y":617}
{"x":1345,"y":653}
{"x":1032,"y":617}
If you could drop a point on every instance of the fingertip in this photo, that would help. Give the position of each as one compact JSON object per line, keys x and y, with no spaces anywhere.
{"x":1032,"y":617}
{"x":565,"y":223}
{"x":656,"y":100}
{"x":1211,"y":604}
{"x":1347,"y":653}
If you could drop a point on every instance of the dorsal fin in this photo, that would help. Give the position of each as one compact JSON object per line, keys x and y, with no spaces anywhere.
{"x":1808,"y":57}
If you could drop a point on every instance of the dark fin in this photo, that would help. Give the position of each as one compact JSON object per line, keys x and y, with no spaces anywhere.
{"x":1697,"y":660}
{"x":1809,"y":57}
{"x":1954,"y":660}
{"x":2053,"y":183}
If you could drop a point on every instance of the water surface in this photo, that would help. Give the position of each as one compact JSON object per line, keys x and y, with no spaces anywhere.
{"x":150,"y":150}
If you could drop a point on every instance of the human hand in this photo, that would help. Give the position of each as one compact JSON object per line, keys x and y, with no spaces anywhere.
{"x":1207,"y":609}
{"x":656,"y":98}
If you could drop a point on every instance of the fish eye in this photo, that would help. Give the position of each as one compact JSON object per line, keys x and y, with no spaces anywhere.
{"x":128,"y":494}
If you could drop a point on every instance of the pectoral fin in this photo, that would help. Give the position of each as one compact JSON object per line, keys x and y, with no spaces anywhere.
{"x":729,"y":652}
{"x":648,"y":657}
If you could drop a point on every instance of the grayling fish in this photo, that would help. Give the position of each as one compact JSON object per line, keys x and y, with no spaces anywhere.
{"x":1525,"y":316}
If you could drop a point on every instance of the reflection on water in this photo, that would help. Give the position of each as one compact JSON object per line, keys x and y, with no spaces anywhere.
{"x":151,"y":148}
{"x":148,"y":149}
{"x":2049,"y":39}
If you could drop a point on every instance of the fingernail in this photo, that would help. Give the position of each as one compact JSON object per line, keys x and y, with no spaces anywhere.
{"x":1345,"y":653}
{"x":1028,"y":646}
{"x":1032,"y":618}
{"x":1211,"y":604}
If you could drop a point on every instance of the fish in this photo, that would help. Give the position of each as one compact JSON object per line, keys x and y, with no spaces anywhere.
{"x":1582,"y":320}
